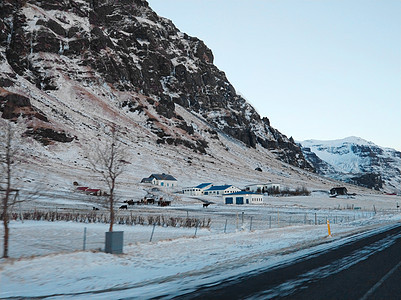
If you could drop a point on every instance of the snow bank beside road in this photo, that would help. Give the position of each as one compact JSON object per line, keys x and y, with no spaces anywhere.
{"x":165,"y":267}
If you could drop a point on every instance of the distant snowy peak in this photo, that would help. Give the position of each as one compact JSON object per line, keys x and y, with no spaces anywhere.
{"x":355,"y":160}
{"x":352,"y":140}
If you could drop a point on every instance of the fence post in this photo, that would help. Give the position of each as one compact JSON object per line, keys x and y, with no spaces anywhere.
{"x":270,"y":222}
{"x":250,"y":227}
{"x":236,"y":222}
{"x":225,"y":227}
{"x":84,"y":246}
{"x":153,"y":230}
{"x":242,"y":220}
{"x":196,"y":228}
{"x":315,"y":219}
{"x":278,"y":218}
{"x":20,"y":213}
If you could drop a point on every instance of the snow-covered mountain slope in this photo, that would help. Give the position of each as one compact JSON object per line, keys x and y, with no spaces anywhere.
{"x":357,"y":161}
{"x":122,"y":50}
{"x":68,"y":69}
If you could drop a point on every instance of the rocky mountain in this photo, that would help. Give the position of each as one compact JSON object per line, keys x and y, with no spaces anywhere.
{"x":62,"y":59}
{"x":356,"y":161}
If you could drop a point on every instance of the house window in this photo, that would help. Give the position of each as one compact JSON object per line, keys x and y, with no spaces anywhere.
{"x":162,"y":183}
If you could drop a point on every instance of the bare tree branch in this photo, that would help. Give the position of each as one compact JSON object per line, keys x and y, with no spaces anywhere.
{"x":108,"y":159}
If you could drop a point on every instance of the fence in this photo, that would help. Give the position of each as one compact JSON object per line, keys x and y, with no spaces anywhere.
{"x":86,"y":231}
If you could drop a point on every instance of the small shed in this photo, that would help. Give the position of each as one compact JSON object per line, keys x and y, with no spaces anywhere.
{"x":338,"y":191}
{"x":94,"y":192}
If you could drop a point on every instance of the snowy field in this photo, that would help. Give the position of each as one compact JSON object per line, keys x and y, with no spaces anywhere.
{"x":48,"y":258}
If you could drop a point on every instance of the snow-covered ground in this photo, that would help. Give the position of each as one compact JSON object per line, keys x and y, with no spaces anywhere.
{"x":176,"y":261}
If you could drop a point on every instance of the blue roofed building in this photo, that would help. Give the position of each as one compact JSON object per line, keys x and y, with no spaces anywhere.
{"x":197,"y":190}
{"x":219,"y":190}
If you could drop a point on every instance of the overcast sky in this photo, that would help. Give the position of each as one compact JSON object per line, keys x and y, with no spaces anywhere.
{"x":318,"y":69}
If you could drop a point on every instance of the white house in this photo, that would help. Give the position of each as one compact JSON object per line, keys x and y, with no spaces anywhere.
{"x":219,"y":190}
{"x":262,"y":187}
{"x":197,"y":190}
{"x":161,"y":179}
{"x":243,"y":197}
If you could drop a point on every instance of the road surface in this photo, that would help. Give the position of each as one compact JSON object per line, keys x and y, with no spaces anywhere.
{"x":364,"y":268}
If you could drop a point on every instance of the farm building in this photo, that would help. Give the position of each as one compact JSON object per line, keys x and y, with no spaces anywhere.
{"x":219,"y":190}
{"x":263,"y":187}
{"x":339,"y":191}
{"x":243,"y":197}
{"x":197,"y":190}
{"x":95,"y":192}
{"x":160,"y":179}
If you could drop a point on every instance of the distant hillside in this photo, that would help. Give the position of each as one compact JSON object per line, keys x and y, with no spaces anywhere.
{"x":356,"y":161}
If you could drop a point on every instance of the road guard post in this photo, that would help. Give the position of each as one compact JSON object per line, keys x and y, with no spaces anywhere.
{"x":328,"y":227}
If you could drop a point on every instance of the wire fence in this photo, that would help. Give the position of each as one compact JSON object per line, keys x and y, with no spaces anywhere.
{"x":72,"y":231}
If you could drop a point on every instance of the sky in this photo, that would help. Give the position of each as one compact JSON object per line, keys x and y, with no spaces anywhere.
{"x":318,"y":69}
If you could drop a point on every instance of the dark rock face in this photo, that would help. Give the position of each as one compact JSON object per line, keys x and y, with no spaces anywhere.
{"x":130,"y":47}
{"x":369,"y":180}
{"x":47,"y":136}
{"x":14,"y":105}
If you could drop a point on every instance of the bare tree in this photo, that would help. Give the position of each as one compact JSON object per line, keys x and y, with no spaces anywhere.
{"x":8,"y":158}
{"x":108,"y":159}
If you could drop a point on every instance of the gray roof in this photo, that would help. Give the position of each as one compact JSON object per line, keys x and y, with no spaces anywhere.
{"x":163,"y":177}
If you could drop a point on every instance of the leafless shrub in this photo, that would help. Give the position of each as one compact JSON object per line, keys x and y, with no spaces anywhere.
{"x":93,"y":217}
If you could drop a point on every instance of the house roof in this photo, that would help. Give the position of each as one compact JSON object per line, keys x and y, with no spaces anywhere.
{"x":163,"y":177}
{"x":202,"y":185}
{"x":145,"y":180}
{"x":219,"y":188}
{"x":241,"y":193}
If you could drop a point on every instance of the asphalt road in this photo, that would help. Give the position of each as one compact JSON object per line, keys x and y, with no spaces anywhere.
{"x":367,"y":268}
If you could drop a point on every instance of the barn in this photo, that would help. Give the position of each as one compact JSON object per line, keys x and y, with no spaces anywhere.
{"x":219,"y":190}
{"x":243,"y":197}
{"x":197,"y":190}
